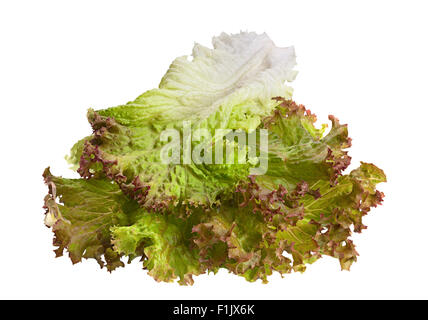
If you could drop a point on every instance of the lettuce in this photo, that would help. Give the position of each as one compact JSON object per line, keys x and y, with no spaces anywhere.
{"x":228,"y":87}
{"x":186,"y":218}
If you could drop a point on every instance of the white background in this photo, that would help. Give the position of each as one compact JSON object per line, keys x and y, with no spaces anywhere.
{"x":363,"y":61}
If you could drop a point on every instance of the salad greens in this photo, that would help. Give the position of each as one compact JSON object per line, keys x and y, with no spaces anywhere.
{"x":185,"y":218}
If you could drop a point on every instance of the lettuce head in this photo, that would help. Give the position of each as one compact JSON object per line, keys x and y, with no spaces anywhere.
{"x":209,"y":207}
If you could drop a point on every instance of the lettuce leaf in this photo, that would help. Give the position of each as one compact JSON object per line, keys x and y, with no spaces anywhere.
{"x":166,"y":244}
{"x":94,"y":219}
{"x":228,"y":87}
{"x":81,"y":213}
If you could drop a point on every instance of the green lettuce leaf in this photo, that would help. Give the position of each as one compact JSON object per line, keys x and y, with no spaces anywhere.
{"x":94,"y":219}
{"x":166,"y":243}
{"x":81,"y":213}
{"x":228,"y":87}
